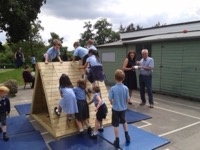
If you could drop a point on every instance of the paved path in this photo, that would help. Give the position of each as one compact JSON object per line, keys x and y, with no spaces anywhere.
{"x":173,"y":118}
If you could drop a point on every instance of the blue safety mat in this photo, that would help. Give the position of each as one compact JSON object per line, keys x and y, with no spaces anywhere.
{"x":140,"y":139}
{"x":25,"y":141}
{"x":76,"y":142}
{"x":18,"y":124}
{"x":23,"y":109}
{"x":133,"y":116}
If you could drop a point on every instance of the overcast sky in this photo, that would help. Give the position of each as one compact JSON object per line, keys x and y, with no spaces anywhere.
{"x":67,"y":17}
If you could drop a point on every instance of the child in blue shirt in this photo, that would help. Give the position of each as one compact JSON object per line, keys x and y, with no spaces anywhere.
{"x":101,"y":111}
{"x":83,"y":115}
{"x":95,"y":69}
{"x":80,"y":53}
{"x":53,"y":52}
{"x":33,"y":62}
{"x":4,"y":109}
{"x":67,"y":103}
{"x":90,"y":45}
{"x":119,"y":96}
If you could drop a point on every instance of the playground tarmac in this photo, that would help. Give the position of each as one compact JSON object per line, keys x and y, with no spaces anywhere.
{"x":175,"y":119}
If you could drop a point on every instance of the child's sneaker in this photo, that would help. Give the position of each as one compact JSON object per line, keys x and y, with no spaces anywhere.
{"x":116,"y":143}
{"x":81,"y":133}
{"x":89,"y":130}
{"x":5,"y":137}
{"x":128,"y":139}
{"x":56,"y":111}
{"x":93,"y":136}
{"x":100,"y":129}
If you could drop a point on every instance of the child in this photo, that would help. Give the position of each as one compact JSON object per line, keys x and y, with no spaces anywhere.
{"x":83,"y":115}
{"x":119,"y":96}
{"x":4,"y":109}
{"x":80,"y":53}
{"x":95,"y":70}
{"x":33,"y":62}
{"x":27,"y":76}
{"x":90,"y":45}
{"x":67,"y":103}
{"x":53,"y":52}
{"x":101,"y":111}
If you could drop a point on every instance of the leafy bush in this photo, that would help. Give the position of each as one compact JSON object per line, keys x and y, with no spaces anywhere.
{"x":12,"y":85}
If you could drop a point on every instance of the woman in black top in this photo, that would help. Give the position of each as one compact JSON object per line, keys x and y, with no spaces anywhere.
{"x":130,"y":75}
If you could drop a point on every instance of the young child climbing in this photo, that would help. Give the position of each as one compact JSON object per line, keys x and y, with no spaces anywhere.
{"x":4,"y":109}
{"x":93,"y":67}
{"x":101,"y":111}
{"x":67,"y":103}
{"x":82,"y":117}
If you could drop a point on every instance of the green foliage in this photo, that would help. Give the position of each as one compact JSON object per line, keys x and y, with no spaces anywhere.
{"x":54,"y":36}
{"x":12,"y":85}
{"x":16,"y":17}
{"x":86,"y":35}
{"x":8,"y":74}
{"x":104,"y":33}
{"x":37,"y":48}
{"x":6,"y":57}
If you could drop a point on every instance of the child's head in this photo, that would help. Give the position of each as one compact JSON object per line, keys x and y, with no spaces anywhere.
{"x":65,"y":81}
{"x":4,"y":91}
{"x":26,"y":67}
{"x":76,"y":44}
{"x":96,"y":88}
{"x":81,"y":83}
{"x":56,"y":44}
{"x":90,"y":42}
{"x":119,"y":75}
{"x":93,"y":52}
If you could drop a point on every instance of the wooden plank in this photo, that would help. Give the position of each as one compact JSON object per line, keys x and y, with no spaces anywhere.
{"x":48,"y":82}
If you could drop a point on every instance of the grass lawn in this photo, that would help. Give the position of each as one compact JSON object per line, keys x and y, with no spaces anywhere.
{"x":8,"y":74}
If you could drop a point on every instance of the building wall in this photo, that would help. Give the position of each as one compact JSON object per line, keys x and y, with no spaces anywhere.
{"x":110,"y":66}
{"x":177,"y":67}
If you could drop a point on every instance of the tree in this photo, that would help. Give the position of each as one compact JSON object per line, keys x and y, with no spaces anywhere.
{"x":138,"y":27}
{"x":16,"y":17}
{"x":104,"y":32}
{"x":158,"y":24}
{"x":2,"y":48}
{"x":130,"y":28}
{"x":55,"y":36}
{"x":121,"y":28}
{"x":35,"y":36}
{"x":86,"y":35}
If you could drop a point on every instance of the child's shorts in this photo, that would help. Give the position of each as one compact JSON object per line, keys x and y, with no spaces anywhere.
{"x":3,"y":119}
{"x":102,"y":112}
{"x":118,"y":117}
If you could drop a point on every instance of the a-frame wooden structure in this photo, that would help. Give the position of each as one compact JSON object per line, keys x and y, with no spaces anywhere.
{"x":46,"y":96}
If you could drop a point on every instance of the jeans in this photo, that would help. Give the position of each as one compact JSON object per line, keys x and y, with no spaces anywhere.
{"x":146,"y":81}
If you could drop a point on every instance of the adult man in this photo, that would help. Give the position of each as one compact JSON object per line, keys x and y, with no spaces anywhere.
{"x":19,"y":57}
{"x":146,"y":65}
{"x":80,"y":52}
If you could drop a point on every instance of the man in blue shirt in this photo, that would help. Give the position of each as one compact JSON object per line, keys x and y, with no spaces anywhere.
{"x":146,"y":65}
{"x":119,"y":96}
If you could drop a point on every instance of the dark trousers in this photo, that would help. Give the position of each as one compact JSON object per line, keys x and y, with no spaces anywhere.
{"x":146,"y":81}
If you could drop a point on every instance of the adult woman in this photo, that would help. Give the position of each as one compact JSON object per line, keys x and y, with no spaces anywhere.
{"x":130,"y":76}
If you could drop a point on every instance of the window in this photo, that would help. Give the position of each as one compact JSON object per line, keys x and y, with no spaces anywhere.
{"x":108,"y":57}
